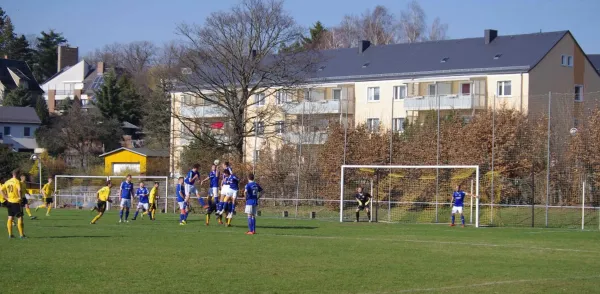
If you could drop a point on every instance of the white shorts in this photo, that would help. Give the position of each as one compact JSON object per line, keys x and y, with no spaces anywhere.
{"x":125,"y":203}
{"x":190,"y":189}
{"x":232,"y":193}
{"x":142,"y":205}
{"x":250,"y":209}
{"x":213,"y":192}
{"x":182,"y":205}
{"x":224,"y":190}
{"x":457,"y":209}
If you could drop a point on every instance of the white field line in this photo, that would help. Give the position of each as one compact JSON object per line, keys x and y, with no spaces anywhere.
{"x":491,"y":284}
{"x":424,"y":241}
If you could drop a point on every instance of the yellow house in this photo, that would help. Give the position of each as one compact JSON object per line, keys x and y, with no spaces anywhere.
{"x":135,"y":161}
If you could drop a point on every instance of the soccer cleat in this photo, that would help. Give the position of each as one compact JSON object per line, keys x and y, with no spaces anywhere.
{"x":206,"y":224}
{"x":120,"y":221}
{"x":220,"y":222}
{"x":182,"y":224}
{"x":11,"y":237}
{"x":92,"y":223}
{"x":36,"y":209}
{"x":452,"y":225}
{"x":47,"y":214}
{"x":133,"y":218}
{"x":248,"y":233}
{"x":33,"y":217}
{"x":462,"y":226}
{"x":23,"y":237}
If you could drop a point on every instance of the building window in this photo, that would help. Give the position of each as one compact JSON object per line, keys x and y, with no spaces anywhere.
{"x":465,"y":89}
{"x":7,"y":131}
{"x":307,"y":94}
{"x":279,"y":127}
{"x":398,"y":125}
{"x":373,"y":124}
{"x":282,"y":97}
{"x":373,"y":94}
{"x":337,"y":94}
{"x":187,"y":99}
{"x":504,"y":89}
{"x":259,"y":128}
{"x":579,"y":93}
{"x":566,"y":60}
{"x":256,"y":155}
{"x":431,"y":89}
{"x":399,"y":92}
{"x":259,"y":99}
{"x":27,"y":132}
{"x":1,"y":136}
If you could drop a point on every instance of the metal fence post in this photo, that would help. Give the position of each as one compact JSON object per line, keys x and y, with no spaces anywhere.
{"x":548,"y":157}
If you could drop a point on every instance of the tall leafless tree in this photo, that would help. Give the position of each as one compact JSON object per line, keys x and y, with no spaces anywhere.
{"x":231,"y":59}
{"x":413,"y":25}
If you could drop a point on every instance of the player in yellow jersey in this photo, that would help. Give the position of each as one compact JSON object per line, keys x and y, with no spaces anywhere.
{"x":2,"y":199}
{"x":11,"y":191}
{"x":47,"y":195}
{"x":153,"y":200}
{"x":24,"y":201}
{"x":103,"y":196}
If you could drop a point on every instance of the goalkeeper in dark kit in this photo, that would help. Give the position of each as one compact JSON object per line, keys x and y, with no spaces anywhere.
{"x":363,"y":200}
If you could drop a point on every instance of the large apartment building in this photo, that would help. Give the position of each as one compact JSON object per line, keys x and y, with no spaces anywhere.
{"x":383,"y":86}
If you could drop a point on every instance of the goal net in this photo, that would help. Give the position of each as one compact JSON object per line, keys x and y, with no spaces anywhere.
{"x":79,"y":192}
{"x":409,"y":194}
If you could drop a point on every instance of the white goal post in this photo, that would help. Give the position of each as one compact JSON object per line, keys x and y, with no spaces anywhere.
{"x":392,"y":176}
{"x":78,"y":190}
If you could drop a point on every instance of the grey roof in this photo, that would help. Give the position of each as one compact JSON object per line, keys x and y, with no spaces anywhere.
{"x":142,"y":151}
{"x":128,"y":125}
{"x":22,"y":69}
{"x":595,"y":60}
{"x":23,"y":115}
{"x":28,"y":143}
{"x":518,"y":53}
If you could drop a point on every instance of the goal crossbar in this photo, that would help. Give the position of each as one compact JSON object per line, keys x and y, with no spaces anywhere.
{"x":390,"y":167}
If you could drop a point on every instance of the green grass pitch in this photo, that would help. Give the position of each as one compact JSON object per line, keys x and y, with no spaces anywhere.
{"x":65,"y":254}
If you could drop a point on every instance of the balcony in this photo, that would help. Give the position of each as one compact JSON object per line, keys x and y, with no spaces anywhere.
{"x":203,"y":111}
{"x":308,"y":138}
{"x":316,"y":107}
{"x":446,"y":102}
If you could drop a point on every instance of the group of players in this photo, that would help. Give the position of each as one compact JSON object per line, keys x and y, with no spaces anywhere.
{"x":13,"y":196}
{"x":185,"y":190}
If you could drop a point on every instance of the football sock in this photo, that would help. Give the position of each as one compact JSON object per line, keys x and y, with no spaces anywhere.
{"x":453,"y":219}
{"x":462,"y":219}
{"x":250,"y":224}
{"x":28,"y":211}
{"x":121,"y":215}
{"x":233,"y":206}
{"x":230,"y":207}
{"x":42,"y":206}
{"x":357,"y":216}
{"x":369,"y":215}
{"x":207,"y":218}
{"x":181,"y":217}
{"x":96,"y":218}
{"x":201,"y":201}
{"x":253,"y":219}
{"x":136,"y":214}
{"x":229,"y":221}
{"x":49,"y":208}
{"x":220,"y":218}
{"x":9,"y":227}
{"x":153,"y":213}
{"x":126,"y":214}
{"x":20,"y":227}
{"x":186,"y":215}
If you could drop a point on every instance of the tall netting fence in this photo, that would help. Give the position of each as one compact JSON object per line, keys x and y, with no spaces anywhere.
{"x":538,"y":156}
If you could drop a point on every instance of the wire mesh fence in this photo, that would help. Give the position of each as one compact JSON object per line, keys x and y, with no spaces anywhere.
{"x":534,"y":154}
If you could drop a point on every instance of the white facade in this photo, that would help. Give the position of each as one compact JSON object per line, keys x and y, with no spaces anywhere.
{"x":67,"y":82}
{"x":18,"y":135}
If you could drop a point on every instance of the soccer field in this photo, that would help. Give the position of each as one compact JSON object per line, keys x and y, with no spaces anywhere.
{"x":65,"y":254}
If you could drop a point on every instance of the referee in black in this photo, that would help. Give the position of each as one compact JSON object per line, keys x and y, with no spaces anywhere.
{"x":363,"y":200}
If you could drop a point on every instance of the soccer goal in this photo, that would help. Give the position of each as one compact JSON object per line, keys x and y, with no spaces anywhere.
{"x":79,"y":192}
{"x":410,"y":193}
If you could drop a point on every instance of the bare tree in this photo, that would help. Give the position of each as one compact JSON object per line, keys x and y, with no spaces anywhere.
{"x":348,"y":33}
{"x":412,"y":23}
{"x":378,"y":26}
{"x":231,"y":59}
{"x":438,"y":30}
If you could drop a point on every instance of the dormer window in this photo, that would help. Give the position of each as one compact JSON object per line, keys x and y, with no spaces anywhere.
{"x":497,"y":56}
{"x":444,"y":59}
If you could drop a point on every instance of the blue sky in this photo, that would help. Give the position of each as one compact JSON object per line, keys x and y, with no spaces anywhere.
{"x":92,"y":24}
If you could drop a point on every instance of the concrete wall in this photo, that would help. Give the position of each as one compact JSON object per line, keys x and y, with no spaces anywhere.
{"x":519,"y":91}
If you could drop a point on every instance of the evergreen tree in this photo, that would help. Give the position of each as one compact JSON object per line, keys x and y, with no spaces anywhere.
{"x":108,"y":97}
{"x":46,"y":56}
{"x":316,"y":33}
{"x":19,"y":97}
{"x":41,"y":108}
{"x":131,"y":108}
{"x":19,"y":50}
{"x":7,"y":33}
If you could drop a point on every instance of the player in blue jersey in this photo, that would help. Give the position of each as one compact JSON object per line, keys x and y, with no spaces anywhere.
{"x":213,"y":187}
{"x":252,"y":190}
{"x":142,"y":194}
{"x":125,"y":195}
{"x":233,"y":182}
{"x":458,"y":202}
{"x":224,"y":189}
{"x":182,"y":201}
{"x":190,"y":183}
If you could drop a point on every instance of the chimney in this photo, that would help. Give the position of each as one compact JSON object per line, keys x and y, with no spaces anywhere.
{"x":100,"y":67}
{"x":67,"y":56}
{"x":490,"y":35}
{"x":363,"y":45}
